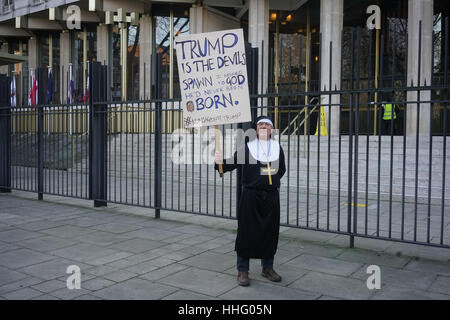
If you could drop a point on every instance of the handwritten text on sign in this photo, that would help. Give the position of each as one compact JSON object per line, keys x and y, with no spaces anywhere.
{"x":213,"y":78}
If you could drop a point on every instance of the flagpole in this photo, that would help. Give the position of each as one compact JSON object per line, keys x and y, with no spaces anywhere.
{"x":13,"y":79}
{"x":48,"y":108}
{"x":71,"y":97}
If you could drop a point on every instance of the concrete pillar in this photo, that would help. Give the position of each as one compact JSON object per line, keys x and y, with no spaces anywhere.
{"x":64,"y":56}
{"x":33,"y":53}
{"x":331,"y":25}
{"x":419,"y":10}
{"x":33,"y":56}
{"x":103,"y":44}
{"x":196,"y":19}
{"x":4,"y":49}
{"x":258,"y":36}
{"x":145,"y":45}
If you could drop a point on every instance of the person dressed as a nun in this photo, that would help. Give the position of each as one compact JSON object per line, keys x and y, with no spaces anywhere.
{"x":259,"y":206}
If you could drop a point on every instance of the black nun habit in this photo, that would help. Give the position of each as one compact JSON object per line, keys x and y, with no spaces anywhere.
{"x":259,"y":206}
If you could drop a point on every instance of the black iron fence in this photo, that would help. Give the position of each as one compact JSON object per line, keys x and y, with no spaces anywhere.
{"x":391,"y":186}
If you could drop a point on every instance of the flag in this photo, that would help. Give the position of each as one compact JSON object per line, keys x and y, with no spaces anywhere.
{"x":13,"y":91}
{"x":86,"y":93}
{"x":29,"y":96}
{"x":49,"y":87}
{"x":36,"y":92}
{"x":34,"y":89}
{"x":70,"y":88}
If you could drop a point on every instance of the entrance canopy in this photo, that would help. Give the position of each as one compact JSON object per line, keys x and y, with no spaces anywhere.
{"x":8,"y":58}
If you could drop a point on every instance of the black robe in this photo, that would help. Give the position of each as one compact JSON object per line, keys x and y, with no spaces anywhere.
{"x":259,"y":206}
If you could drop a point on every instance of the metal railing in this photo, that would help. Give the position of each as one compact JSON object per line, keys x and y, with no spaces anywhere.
{"x":295,"y":120}
{"x":349,"y":182}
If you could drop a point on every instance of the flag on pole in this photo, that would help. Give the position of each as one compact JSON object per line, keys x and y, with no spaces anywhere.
{"x":29,"y":96}
{"x":86,"y":93}
{"x":13,"y":91}
{"x":30,"y":87}
{"x":70,"y":87}
{"x":34,"y":89}
{"x":49,"y":87}
{"x":36,"y":92}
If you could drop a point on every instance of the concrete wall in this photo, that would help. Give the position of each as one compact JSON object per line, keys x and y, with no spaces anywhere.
{"x":213,"y":21}
{"x":208,"y":20}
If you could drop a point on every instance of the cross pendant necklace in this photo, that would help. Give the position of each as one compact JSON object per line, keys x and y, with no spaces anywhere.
{"x":268,"y":170}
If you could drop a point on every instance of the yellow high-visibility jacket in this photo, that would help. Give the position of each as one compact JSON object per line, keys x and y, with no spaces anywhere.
{"x":388,"y":109}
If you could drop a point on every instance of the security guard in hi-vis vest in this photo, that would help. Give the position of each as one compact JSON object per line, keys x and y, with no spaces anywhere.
{"x":389,"y":117}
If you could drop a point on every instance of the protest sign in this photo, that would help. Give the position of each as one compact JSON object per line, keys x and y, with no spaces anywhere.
{"x":213,"y":78}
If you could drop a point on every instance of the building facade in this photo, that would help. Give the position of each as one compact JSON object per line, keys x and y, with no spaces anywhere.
{"x":299,"y":42}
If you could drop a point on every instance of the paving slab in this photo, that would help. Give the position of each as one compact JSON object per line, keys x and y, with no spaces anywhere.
{"x":115,"y":227}
{"x":22,"y":257}
{"x":17,"y":235}
{"x":83,"y":252}
{"x":50,"y":286}
{"x":414,"y":280}
{"x":125,"y":253}
{"x":45,"y":297}
{"x":8,"y":247}
{"x":41,"y":225}
{"x":201,"y":281}
{"x":53,"y":269}
{"x":441,"y":285}
{"x":312,"y":248}
{"x":136,"y":245}
{"x":97,"y":284}
{"x":378,"y":258}
{"x":85,"y":221}
{"x":67,"y":231}
{"x":188,"y":295}
{"x":100,"y":270}
{"x":262,"y":291}
{"x":437,"y":267}
{"x":151,"y":234}
{"x":119,"y":275}
{"x":69,"y":294}
{"x":102,"y":238}
{"x":335,"y":286}
{"x":22,"y":294}
{"x":397,"y":293}
{"x":88,"y":297}
{"x":47,"y":243}
{"x":163,"y":272}
{"x":135,"y":289}
{"x":288,"y":273}
{"x":17,"y":285}
{"x":8,"y":276}
{"x":211,"y":261}
{"x":326,"y":265}
{"x":108,"y":259}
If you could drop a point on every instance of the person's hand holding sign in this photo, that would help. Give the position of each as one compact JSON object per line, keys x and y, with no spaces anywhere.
{"x":218,"y":157}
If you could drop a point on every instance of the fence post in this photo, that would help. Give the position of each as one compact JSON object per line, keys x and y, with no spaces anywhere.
{"x":97,"y":134}
{"x":40,"y":132}
{"x":252,"y":74}
{"x":350,"y":151}
{"x":158,"y":136}
{"x":5,"y":136}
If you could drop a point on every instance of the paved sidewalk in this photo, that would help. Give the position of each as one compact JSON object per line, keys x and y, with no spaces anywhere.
{"x":124,"y":253}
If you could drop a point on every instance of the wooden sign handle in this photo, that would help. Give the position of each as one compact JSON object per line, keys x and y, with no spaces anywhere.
{"x":218,"y":148}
